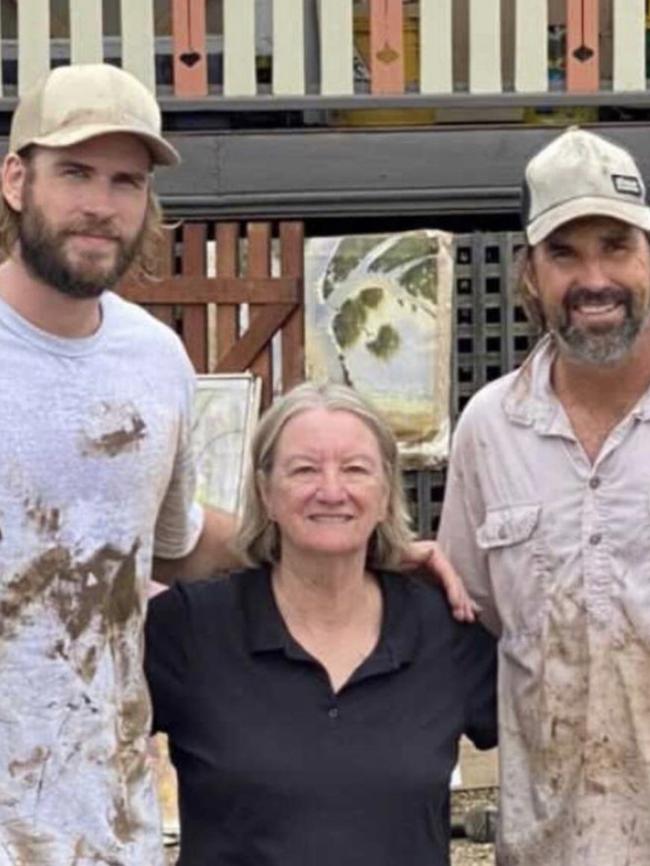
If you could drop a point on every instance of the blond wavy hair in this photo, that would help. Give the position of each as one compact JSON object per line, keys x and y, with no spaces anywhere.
{"x":258,"y":540}
{"x":146,"y":263}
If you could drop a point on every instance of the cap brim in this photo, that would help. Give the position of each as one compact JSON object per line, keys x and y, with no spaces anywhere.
{"x":540,"y":228}
{"x":162,"y":153}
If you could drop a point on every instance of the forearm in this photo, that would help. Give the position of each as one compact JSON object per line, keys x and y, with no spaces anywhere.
{"x":212,"y":553}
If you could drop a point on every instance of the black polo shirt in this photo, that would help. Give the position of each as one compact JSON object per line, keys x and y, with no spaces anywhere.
{"x":274,"y":768}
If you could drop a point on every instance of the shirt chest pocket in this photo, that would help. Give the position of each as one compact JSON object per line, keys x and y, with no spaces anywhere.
{"x":512,"y":541}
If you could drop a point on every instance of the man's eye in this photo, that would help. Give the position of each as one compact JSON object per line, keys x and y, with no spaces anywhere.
{"x":130,"y":182}
{"x":616,"y":246}
{"x":71,"y":171}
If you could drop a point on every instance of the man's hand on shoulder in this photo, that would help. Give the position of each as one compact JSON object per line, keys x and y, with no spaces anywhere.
{"x":428,"y":558}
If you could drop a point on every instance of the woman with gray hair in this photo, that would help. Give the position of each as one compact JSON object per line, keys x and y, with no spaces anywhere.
{"x":314,"y":701}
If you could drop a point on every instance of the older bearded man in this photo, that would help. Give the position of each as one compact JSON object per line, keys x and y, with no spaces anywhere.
{"x":547,"y":517}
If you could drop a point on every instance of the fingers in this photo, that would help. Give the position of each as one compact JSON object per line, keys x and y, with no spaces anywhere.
{"x":462,"y":606}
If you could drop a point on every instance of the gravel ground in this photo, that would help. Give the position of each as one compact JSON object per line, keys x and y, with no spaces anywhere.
{"x":463,"y":852}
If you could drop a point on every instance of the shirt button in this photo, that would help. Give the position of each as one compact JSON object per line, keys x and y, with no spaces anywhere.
{"x":333,"y":713}
{"x":596,"y":538}
{"x":594,"y":483}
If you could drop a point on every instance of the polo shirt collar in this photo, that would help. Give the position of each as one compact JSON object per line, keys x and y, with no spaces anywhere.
{"x":267,"y":632}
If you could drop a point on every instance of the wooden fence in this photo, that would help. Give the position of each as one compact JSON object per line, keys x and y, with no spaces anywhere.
{"x":229,"y":307}
{"x":199,"y":48}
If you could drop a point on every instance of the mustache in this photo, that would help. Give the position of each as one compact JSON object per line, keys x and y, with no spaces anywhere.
{"x":583,"y":296}
{"x":93,"y":227}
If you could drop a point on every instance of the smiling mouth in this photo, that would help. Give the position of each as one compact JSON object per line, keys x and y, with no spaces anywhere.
{"x":596,"y":309}
{"x":330,"y":518}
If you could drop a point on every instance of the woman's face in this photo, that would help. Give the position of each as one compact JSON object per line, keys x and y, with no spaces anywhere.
{"x":327,"y":489}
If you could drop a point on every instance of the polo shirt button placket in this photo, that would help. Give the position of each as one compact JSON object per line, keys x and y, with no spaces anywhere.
{"x":333,"y":713}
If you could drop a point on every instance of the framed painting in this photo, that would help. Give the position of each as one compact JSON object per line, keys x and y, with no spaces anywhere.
{"x":378,"y":313}
{"x":226,"y":408}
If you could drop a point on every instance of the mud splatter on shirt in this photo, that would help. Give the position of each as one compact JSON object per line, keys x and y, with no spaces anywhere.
{"x":95,"y":475}
{"x":556,"y":550}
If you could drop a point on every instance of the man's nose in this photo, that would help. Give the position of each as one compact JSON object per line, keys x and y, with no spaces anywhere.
{"x":98,"y":200}
{"x":593,"y":273}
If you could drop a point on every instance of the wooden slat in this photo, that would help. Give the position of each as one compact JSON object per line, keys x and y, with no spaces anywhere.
{"x":531,"y":46}
{"x":292,"y":263}
{"x":629,"y":45}
{"x":239,"y":78}
{"x":225,"y":291}
{"x":336,"y":47}
{"x":86,"y":31}
{"x":227,"y":267}
{"x":195,"y":316}
{"x":386,"y":46}
{"x":246,"y":349}
{"x":288,"y":47}
{"x":436,"y":57}
{"x":259,"y":265}
{"x":163,"y":312}
{"x":190,"y":62}
{"x":583,"y":67}
{"x":485,"y":46}
{"x":33,"y":42}
{"x":138,"y":52}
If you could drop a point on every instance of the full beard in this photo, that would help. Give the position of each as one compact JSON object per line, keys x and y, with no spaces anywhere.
{"x":43,"y":254}
{"x":605,"y":344}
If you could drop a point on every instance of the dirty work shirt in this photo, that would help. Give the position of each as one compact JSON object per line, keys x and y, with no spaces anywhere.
{"x":95,"y":474}
{"x":557,"y":552}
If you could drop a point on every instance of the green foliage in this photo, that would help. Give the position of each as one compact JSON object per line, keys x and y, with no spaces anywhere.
{"x":385,"y":344}
{"x":407,"y":248}
{"x":349,"y":321}
{"x":349,"y":255}
{"x":422,"y":280}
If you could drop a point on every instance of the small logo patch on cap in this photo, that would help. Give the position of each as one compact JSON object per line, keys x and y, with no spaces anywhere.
{"x":627,"y":184}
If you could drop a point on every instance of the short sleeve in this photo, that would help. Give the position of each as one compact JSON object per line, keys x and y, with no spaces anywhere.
{"x":180,"y":518}
{"x":475,"y":654}
{"x":166,"y":655}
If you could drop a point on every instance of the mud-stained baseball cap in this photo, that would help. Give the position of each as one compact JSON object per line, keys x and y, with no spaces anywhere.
{"x":581,"y":174}
{"x":78,"y":102}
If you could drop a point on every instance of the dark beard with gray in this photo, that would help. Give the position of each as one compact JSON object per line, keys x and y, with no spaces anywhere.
{"x":604,"y":345}
{"x":42,"y":251}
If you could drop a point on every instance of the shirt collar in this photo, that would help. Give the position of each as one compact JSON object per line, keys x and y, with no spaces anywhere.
{"x":530,"y":399}
{"x":266,"y":631}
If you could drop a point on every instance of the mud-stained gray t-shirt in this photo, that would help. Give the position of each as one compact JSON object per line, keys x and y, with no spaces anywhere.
{"x":96,"y":475}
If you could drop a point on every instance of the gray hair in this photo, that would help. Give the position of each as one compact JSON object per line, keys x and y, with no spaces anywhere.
{"x":257,"y":540}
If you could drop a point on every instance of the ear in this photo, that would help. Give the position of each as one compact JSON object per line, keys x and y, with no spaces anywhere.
{"x":13,"y":181}
{"x":530,"y":278}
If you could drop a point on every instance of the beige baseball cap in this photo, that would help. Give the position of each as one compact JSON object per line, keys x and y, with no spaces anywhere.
{"x":581,"y":174}
{"x":78,"y":102}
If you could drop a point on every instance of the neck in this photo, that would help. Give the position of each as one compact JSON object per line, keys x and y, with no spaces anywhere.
{"x":610,"y":389}
{"x":322,"y":592}
{"x":44,"y":306}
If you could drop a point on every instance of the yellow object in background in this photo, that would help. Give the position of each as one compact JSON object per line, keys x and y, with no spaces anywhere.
{"x":387,"y":116}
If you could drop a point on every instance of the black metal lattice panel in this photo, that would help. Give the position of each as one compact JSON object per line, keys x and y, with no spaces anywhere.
{"x":491,"y":337}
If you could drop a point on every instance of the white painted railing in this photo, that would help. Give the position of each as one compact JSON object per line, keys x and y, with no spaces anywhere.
{"x":295,"y":47}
